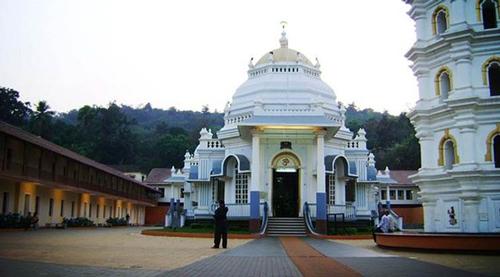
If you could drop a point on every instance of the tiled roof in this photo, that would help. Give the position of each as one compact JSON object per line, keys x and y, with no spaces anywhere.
{"x":28,"y":137}
{"x":401,"y":176}
{"x":158,"y":175}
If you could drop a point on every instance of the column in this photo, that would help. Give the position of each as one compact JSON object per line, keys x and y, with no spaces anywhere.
{"x":467,"y":152}
{"x":321,"y":223}
{"x":254,"y":185}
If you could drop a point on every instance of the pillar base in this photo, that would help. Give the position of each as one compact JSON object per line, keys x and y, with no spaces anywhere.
{"x":321,"y":227}
{"x":254,"y":225}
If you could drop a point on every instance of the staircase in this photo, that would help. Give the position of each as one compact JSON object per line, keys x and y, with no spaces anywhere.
{"x":286,"y":226}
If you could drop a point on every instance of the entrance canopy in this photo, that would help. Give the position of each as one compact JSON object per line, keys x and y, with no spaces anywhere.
{"x":350,"y":168}
{"x":219,"y":167}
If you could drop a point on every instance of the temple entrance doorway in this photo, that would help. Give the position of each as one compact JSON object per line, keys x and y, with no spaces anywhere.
{"x":285,"y":194}
{"x":285,"y":190}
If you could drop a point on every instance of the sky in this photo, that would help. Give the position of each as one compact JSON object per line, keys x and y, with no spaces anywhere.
{"x":191,"y":53}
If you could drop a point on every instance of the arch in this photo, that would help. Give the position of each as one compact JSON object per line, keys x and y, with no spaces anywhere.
{"x":440,"y":20}
{"x":442,"y":143}
{"x":442,"y":75}
{"x":330,"y":164}
{"x":490,"y":12}
{"x":286,"y":159}
{"x":490,"y":69}
{"x":490,"y":143}
{"x":242,"y":163}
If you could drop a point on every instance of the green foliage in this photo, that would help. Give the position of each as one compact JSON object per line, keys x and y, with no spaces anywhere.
{"x":12,"y":110}
{"x":115,"y":221}
{"x":78,"y":222}
{"x":13,"y":220}
{"x":143,"y":138}
{"x":391,"y":138}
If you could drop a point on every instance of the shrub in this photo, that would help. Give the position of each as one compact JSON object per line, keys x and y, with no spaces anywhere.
{"x":115,"y":221}
{"x":12,"y":220}
{"x":78,"y":222}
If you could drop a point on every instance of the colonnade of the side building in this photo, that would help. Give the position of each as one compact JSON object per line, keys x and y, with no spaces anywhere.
{"x":52,"y":205}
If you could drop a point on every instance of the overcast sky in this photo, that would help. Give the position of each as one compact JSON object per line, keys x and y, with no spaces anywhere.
{"x":191,"y":53}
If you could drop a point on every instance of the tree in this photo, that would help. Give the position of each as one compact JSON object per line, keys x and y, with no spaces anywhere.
{"x":12,"y":110}
{"x":41,"y":120}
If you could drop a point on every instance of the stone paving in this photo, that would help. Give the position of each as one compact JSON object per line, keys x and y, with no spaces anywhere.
{"x":124,"y":252}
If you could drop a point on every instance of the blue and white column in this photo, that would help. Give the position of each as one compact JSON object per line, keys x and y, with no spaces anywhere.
{"x":321,"y":222}
{"x":254,"y":223}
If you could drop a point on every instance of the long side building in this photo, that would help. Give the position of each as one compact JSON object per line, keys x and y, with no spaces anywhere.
{"x":39,"y":176}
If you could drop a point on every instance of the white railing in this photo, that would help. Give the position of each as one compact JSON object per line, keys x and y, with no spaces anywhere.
{"x":348,"y":210}
{"x":237,"y":210}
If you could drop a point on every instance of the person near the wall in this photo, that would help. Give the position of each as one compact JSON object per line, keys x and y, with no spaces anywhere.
{"x":220,"y":230}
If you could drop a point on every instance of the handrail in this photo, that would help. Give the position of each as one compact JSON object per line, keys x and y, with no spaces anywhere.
{"x":308,"y":220}
{"x":263,"y":226}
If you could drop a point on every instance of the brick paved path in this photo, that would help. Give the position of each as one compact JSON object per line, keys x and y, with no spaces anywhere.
{"x":264,"y":257}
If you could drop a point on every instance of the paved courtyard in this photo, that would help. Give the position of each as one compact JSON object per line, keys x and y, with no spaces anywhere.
{"x":125,"y":252}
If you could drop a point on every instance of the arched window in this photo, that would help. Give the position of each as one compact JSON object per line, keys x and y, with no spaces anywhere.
{"x":443,"y":82}
{"x":440,"y":20}
{"x":487,"y":12}
{"x":491,"y":75}
{"x":448,"y":154}
{"x":493,"y":146}
{"x":494,"y":78}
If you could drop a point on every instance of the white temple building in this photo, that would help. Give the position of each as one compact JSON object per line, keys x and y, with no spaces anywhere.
{"x":456,"y":60}
{"x":284,"y":142}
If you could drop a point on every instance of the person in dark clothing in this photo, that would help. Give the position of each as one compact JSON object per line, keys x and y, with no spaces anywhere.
{"x":220,"y":225}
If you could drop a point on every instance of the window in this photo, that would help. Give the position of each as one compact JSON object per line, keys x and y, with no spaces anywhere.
{"x":383,"y":194}
{"x":37,"y":204}
{"x":51,"y":206}
{"x":489,"y":13}
{"x":90,"y":210}
{"x":182,"y":192}
{"x":443,"y":83}
{"x":440,"y":20}
{"x":104,"y":211}
{"x":392,"y":194}
{"x":496,"y":150}
{"x":494,"y":78}
{"x":401,"y":194}
{"x":62,"y":208}
{"x":409,"y":195}
{"x":162,"y":191}
{"x":449,"y":154}
{"x":72,"y":208}
{"x":331,"y":189}
{"x":97,"y":211}
{"x":241,"y":182}
{"x":5,"y":202}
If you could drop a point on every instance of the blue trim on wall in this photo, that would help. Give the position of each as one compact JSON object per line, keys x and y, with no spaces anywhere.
{"x":321,"y":205}
{"x":254,"y":204}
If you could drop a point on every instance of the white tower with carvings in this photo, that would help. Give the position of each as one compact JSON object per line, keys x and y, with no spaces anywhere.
{"x":456,"y":60}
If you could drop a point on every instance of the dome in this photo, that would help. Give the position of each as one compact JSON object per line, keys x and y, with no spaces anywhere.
{"x":284,"y":54}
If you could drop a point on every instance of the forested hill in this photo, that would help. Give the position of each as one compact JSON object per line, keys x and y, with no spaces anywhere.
{"x":146,"y":137}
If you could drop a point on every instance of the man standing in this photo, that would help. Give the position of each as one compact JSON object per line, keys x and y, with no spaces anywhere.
{"x":220,"y":225}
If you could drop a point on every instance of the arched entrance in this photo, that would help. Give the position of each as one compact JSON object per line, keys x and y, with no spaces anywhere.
{"x":285,"y":202}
